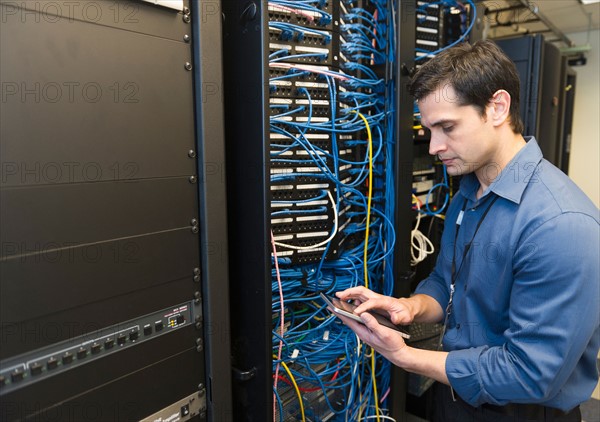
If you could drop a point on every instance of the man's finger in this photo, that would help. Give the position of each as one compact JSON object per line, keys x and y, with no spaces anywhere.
{"x":375,"y":303}
{"x":370,"y":321}
{"x":359,"y":292}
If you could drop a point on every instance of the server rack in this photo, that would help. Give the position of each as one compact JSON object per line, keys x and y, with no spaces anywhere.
{"x":527,"y":53}
{"x":247,"y":98}
{"x":567,"y":106}
{"x":550,"y":132}
{"x":114,"y":305}
{"x":542,"y":72}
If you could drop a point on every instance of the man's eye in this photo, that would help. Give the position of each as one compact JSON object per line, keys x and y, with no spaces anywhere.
{"x":447,"y":129}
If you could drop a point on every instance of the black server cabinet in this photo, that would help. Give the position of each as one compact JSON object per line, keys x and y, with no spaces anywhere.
{"x":541,"y":69}
{"x":567,"y":108}
{"x":527,"y":53}
{"x":551,"y":119}
{"x":246,"y":87}
{"x":113,"y":288}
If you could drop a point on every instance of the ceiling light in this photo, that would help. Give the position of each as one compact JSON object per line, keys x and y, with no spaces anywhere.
{"x":586,"y":2}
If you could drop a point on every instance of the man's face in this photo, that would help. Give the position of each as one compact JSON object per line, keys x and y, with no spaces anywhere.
{"x":462,"y":139}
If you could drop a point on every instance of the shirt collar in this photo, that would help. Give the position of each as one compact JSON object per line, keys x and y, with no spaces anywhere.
{"x":513,"y":179}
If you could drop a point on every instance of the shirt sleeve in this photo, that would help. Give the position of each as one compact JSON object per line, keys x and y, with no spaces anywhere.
{"x":554,"y":315}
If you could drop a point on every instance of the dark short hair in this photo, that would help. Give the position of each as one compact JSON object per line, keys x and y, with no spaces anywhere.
{"x":475,"y":72}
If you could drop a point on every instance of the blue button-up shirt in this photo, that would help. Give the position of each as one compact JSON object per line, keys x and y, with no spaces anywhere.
{"x":524,"y":325}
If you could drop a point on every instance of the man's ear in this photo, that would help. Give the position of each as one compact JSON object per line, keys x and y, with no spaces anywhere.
{"x":499,"y":107}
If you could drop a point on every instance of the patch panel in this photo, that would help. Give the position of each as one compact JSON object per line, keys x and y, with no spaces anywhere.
{"x":302,"y":38}
{"x":315,"y":39}
{"x":430,"y":34}
{"x":427,"y":41}
{"x":296,"y":89}
{"x":428,"y":21}
{"x":318,"y":140}
{"x":303,"y":54}
{"x":298,"y":16}
{"x":431,"y":8}
{"x":307,"y":234}
{"x":317,"y":90}
{"x":278,"y":89}
{"x":280,"y":15}
{"x":291,"y":163}
{"x":300,"y":72}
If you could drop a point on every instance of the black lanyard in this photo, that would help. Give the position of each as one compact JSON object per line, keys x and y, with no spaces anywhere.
{"x":455,"y":272}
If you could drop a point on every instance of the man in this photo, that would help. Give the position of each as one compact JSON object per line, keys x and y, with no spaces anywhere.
{"x":517,"y":276}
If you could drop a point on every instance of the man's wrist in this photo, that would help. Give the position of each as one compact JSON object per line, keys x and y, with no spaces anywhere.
{"x":425,"y":308}
{"x":429,"y":363}
{"x":415,"y":304}
{"x":403,"y":357}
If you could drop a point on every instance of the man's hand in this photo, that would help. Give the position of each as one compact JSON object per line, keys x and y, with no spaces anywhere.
{"x":400,"y":311}
{"x":389,"y":343}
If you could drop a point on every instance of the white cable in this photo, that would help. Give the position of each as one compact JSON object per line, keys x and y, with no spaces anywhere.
{"x":421,"y":246}
{"x":389,"y":418}
{"x":326,"y":241}
{"x":309,"y":68}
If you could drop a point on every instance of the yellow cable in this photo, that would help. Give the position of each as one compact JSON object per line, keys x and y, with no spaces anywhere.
{"x":365,"y":255}
{"x":369,"y":196}
{"x":374,"y":385}
{"x":296,"y":388}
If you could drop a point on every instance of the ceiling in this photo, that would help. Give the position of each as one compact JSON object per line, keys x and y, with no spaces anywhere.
{"x":566,"y":16}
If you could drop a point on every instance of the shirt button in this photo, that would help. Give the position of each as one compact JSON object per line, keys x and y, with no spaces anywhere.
{"x":458,"y":326}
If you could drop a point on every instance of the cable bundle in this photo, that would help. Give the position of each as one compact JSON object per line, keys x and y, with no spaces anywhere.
{"x":331,"y":143}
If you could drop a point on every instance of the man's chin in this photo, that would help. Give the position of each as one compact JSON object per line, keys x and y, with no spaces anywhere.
{"x":454,"y":169}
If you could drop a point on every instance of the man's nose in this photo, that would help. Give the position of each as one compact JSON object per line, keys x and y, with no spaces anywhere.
{"x":437,"y":144}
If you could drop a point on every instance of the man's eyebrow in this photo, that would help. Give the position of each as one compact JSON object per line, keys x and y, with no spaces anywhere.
{"x":442,"y":122}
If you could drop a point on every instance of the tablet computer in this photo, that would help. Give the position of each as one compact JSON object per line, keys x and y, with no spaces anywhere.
{"x":346,"y":309}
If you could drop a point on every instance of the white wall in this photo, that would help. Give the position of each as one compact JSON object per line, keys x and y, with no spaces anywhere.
{"x":585,"y":152}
